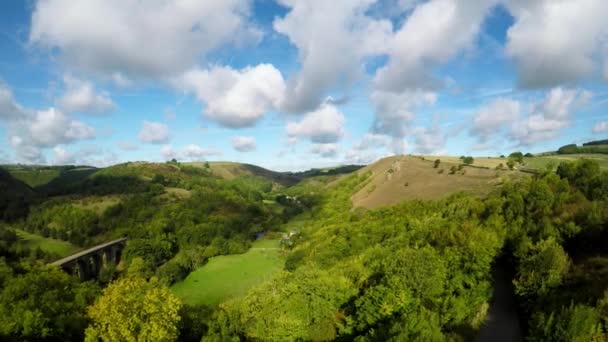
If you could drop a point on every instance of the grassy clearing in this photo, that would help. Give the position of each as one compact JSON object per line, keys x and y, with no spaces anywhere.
{"x":35,"y":178}
{"x":178,"y":193}
{"x":98,"y":204}
{"x":230,"y":276}
{"x":58,"y":247}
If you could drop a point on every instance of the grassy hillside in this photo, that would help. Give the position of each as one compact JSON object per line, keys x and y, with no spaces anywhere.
{"x":57,"y":247}
{"x":35,"y":177}
{"x":229,"y":276}
{"x":399,"y":178}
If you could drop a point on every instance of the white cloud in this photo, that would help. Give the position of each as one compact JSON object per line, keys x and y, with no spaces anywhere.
{"x":244,"y":144}
{"x":235,"y":98}
{"x":167,"y":152}
{"x":550,"y":115}
{"x":333,"y":38}
{"x":51,"y":127}
{"x":325,"y":150}
{"x":394,"y":111}
{"x":62,"y":157}
{"x":556,"y":41}
{"x":195,"y":152}
{"x":154,"y":133}
{"x":600,"y":127}
{"x":9,"y":109}
{"x":372,"y":141}
{"x":324,"y":125}
{"x":81,"y":97}
{"x":429,"y":140}
{"x":138,"y":38}
{"x":359,"y":157}
{"x":491,"y":118}
{"x":435,"y":32}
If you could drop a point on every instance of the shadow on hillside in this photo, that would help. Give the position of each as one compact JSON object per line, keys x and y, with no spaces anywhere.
{"x":66,"y":180}
{"x":98,"y":185}
{"x":292,"y":178}
{"x":15,"y":197}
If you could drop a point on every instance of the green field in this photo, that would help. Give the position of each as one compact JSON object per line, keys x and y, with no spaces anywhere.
{"x":59,"y":247}
{"x":230,"y":276}
{"x":544,"y":161}
{"x":35,"y":178}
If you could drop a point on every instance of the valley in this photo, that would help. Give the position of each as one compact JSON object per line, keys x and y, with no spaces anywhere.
{"x":408,"y":247}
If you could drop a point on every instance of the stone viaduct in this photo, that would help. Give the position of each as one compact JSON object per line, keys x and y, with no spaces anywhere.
{"x":87,"y":264}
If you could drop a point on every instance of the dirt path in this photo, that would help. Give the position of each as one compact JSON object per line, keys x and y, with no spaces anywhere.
{"x":502,"y":323}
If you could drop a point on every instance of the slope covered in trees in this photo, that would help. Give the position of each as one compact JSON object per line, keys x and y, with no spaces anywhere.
{"x":416,"y":270}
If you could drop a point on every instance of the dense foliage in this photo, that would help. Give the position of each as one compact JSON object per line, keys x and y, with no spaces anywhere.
{"x":419,"y":270}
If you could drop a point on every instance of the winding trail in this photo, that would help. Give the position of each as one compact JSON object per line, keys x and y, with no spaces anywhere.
{"x":502,"y":323}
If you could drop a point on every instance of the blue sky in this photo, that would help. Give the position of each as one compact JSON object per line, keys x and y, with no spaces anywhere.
{"x":291,"y":85}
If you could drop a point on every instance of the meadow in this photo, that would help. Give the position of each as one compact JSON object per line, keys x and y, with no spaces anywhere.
{"x":230,"y":276}
{"x":57,"y":247}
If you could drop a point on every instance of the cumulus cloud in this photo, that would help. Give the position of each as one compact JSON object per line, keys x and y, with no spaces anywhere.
{"x":550,"y":115}
{"x":372,"y":141}
{"x":429,"y":140}
{"x":235,"y":98}
{"x":51,"y":127}
{"x":191,"y":152}
{"x":9,"y":109}
{"x":358,"y":157}
{"x":325,"y":150}
{"x":491,"y":118}
{"x":600,"y":127}
{"x":435,"y":32}
{"x":167,"y":152}
{"x":395,"y":111}
{"x":62,"y":157}
{"x":244,"y":144}
{"x":324,"y":125}
{"x":163,"y":38}
{"x":195,"y":152}
{"x":332,"y":38}
{"x":154,"y":133}
{"x":555,"y":42}
{"x":81,"y":97}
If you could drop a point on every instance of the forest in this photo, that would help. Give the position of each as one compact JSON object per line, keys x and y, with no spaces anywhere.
{"x":417,"y":270}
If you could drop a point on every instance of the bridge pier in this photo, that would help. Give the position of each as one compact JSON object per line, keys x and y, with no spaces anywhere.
{"x":88,"y":264}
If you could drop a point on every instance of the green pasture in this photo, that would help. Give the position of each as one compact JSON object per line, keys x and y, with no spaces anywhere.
{"x":229,"y":276}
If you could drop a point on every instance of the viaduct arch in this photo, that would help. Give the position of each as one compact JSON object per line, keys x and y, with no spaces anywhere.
{"x":88,"y":263}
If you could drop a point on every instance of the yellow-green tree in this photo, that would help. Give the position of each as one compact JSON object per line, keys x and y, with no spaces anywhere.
{"x":133,"y":309}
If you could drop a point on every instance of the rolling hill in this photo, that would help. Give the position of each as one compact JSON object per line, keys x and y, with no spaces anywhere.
{"x":398,"y":178}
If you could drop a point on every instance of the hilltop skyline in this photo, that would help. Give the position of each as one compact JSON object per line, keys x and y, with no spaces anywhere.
{"x":290,"y":85}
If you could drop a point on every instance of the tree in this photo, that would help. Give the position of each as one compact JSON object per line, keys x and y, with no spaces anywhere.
{"x":45,"y":303}
{"x":541,"y":269}
{"x":528,"y":155}
{"x":510,"y":164}
{"x":468,"y":160}
{"x":436,"y":163}
{"x":517,"y":156}
{"x":133,"y":309}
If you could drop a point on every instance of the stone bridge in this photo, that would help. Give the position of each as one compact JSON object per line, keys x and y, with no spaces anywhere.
{"x":87,"y":264}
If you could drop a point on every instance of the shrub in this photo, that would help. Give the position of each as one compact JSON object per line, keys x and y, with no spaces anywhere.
{"x":436,"y":163}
